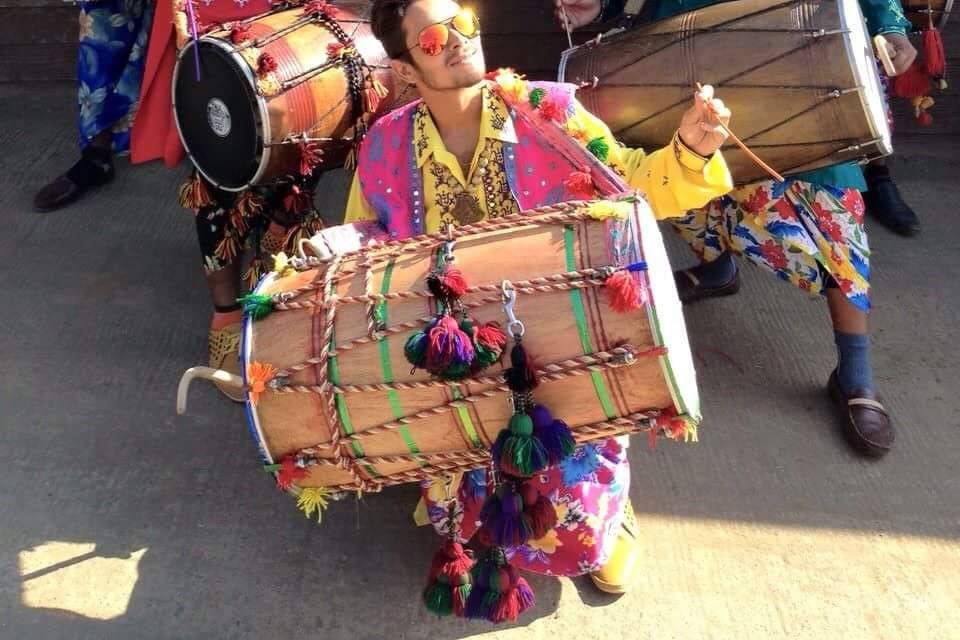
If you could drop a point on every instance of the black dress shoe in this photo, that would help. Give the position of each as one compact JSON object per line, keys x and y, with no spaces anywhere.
{"x":93,"y":169}
{"x":887,"y":206}
{"x":690,"y":289}
{"x":865,"y":423}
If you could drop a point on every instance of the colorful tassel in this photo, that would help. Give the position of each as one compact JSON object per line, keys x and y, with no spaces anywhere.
{"x":503,"y":517}
{"x":516,"y":596}
{"x":486,"y":586}
{"x":448,"y":583}
{"x":297,"y":200}
{"x":320,"y":7}
{"x":554,"y":434}
{"x":448,"y":285}
{"x":289,"y":473}
{"x":624,"y":291}
{"x":335,"y":49}
{"x":257,"y":305}
{"x":448,"y":345}
{"x":311,"y":155}
{"x":934,"y":58}
{"x":266,"y":64}
{"x":580,"y":185}
{"x":538,"y":510}
{"x":490,"y":341}
{"x":912,"y":83}
{"x":517,"y":452}
{"x":228,"y":247}
{"x":248,"y":204}
{"x":552,"y":110}
{"x":314,"y":500}
{"x":259,"y":376}
{"x":536,"y":97}
{"x":193,"y":194}
{"x":600,"y":148}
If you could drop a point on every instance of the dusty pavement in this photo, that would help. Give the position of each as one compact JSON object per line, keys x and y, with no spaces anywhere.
{"x":121,"y":520}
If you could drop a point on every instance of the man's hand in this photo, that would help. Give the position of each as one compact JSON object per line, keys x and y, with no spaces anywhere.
{"x":579,"y":13}
{"x":901,"y":50}
{"x":703,"y":126}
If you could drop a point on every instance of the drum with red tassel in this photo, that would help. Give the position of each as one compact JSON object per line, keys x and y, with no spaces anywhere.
{"x":281,"y":93}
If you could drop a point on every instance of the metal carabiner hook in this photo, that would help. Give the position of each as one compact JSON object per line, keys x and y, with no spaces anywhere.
{"x":514,"y":326}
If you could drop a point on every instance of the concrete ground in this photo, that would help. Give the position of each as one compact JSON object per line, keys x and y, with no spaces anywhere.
{"x":122,"y":520}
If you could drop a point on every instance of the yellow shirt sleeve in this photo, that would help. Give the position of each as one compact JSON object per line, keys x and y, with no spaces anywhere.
{"x":674,"y":179}
{"x":358,"y":209}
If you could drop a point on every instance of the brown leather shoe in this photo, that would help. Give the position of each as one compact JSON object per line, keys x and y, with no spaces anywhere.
{"x":690,"y":289}
{"x":866,"y":424}
{"x":94,"y":169}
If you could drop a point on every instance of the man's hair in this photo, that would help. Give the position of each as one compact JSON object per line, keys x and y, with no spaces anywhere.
{"x":386,"y":22}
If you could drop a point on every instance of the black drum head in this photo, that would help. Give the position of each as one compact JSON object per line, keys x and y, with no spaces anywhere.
{"x":218,"y":116}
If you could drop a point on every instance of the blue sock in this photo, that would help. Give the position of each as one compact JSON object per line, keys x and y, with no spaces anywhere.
{"x":853,"y":370}
{"x":717,"y":272}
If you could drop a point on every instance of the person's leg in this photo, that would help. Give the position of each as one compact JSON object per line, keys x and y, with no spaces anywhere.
{"x":112,"y":50}
{"x":885,"y":203}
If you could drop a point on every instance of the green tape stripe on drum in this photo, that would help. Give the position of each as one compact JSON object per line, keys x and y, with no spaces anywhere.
{"x":576,"y":299}
{"x":467,"y":421}
{"x":386,"y":365}
{"x":344,"y":412}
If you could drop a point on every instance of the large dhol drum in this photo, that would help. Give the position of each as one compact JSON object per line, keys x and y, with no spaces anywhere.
{"x":799,"y":76}
{"x":274,"y":81}
{"x":343,"y":404}
{"x":923,"y":13}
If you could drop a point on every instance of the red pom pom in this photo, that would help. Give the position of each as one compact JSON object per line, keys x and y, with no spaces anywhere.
{"x":454,"y":282}
{"x":320,"y":6}
{"x":265,"y":64}
{"x":289,"y":473}
{"x":492,"y":336}
{"x":604,"y":474}
{"x":334,"y":49}
{"x":912,"y":83}
{"x":552,"y":110}
{"x":239,"y":32}
{"x":580,"y":184}
{"x":624,"y":291}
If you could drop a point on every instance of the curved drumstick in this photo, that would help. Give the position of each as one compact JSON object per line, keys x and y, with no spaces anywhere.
{"x":207,"y":373}
{"x":750,"y":154}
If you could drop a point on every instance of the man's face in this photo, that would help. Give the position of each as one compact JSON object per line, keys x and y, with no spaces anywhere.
{"x":458,"y":65}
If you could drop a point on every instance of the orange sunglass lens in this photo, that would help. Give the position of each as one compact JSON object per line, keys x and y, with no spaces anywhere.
{"x":433,"y":39}
{"x":466,"y":23}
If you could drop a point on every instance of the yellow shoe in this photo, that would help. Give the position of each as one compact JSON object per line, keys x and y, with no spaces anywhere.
{"x":618,"y":574}
{"x":224,"y":350}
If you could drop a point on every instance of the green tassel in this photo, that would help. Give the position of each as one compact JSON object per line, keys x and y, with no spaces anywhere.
{"x":536,"y":96}
{"x":485,"y":357}
{"x":256,"y":305}
{"x":438,"y":597}
{"x":521,"y":454}
{"x":415,"y":349}
{"x":599,"y":148}
{"x":521,"y":425}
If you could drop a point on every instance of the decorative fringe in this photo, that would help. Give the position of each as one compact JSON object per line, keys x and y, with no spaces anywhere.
{"x":259,"y":376}
{"x":289,"y":472}
{"x":934,"y":58}
{"x":253,"y":273}
{"x":625,"y":292}
{"x":599,"y":148}
{"x":256,"y":305}
{"x":314,"y":500}
{"x":311,"y":155}
{"x":580,"y":185}
{"x":297,"y":200}
{"x":228,"y":247}
{"x":248,"y":204}
{"x":193,"y":194}
{"x":371,"y":96}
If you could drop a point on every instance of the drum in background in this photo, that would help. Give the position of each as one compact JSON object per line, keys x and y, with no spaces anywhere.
{"x":275,"y":81}
{"x":922,"y":12}
{"x":799,"y":76}
{"x":344,"y":404}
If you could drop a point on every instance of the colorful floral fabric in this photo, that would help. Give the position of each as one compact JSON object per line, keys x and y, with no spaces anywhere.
{"x":113,"y":46}
{"x":588,"y":490}
{"x":798,"y":230}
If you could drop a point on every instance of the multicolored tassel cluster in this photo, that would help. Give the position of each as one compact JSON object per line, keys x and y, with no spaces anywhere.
{"x":452,"y":348}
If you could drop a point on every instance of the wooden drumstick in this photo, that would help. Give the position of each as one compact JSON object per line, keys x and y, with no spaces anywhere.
{"x":566,"y":23}
{"x":750,"y":154}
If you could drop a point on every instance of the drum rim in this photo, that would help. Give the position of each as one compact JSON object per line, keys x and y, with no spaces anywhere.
{"x":246,"y":350}
{"x":261,"y":105}
{"x":849,"y":11}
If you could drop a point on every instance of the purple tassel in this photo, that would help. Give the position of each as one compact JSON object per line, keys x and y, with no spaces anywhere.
{"x":525,"y":595}
{"x":480,"y":601}
{"x":554,"y":434}
{"x":448,"y":345}
{"x":504,"y":519}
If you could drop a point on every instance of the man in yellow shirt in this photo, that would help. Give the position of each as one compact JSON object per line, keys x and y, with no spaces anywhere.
{"x":465,"y":154}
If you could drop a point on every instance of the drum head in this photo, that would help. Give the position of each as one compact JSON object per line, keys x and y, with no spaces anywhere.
{"x":218,"y":117}
{"x":864,"y":64}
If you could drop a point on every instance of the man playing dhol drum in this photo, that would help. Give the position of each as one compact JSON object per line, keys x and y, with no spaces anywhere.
{"x":462,"y":155}
{"x":808,"y":230}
